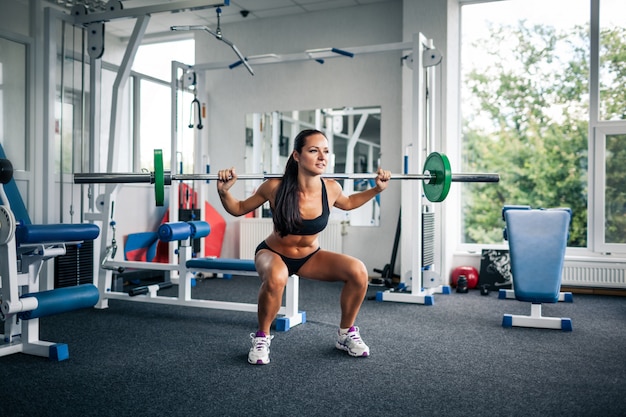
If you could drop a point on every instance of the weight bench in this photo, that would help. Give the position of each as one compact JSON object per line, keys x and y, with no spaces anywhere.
{"x":24,"y":247}
{"x":187,"y":267}
{"x":246,"y":267}
{"x":537,"y":241}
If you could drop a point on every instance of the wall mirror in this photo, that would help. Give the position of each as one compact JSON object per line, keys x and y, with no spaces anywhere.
{"x":354,"y":137}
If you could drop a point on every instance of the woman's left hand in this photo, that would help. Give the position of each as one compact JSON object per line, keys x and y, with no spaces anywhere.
{"x":382,"y":179}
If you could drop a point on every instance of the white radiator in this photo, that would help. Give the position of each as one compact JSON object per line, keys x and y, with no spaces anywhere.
{"x":253,"y":230}
{"x":594,"y":274}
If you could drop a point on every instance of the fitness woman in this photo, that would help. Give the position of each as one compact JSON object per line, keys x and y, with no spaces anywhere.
{"x":300,"y":204}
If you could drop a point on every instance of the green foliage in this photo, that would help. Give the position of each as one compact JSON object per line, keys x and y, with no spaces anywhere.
{"x":530,"y":124}
{"x":613,"y":73}
{"x":615,"y":201}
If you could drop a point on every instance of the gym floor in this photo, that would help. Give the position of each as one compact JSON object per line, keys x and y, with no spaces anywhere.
{"x":450,"y":359}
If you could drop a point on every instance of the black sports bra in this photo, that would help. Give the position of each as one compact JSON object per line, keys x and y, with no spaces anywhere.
{"x":316,"y":225}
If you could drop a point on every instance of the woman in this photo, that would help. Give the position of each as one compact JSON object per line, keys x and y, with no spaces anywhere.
{"x":300,"y":203}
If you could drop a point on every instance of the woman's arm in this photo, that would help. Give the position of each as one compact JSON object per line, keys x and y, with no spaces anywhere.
{"x":234,"y":206}
{"x":356,"y":200}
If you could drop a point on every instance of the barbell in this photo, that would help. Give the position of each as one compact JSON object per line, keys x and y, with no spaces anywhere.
{"x":437,"y":177}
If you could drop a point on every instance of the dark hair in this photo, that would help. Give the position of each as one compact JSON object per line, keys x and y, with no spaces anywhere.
{"x":286,"y":214}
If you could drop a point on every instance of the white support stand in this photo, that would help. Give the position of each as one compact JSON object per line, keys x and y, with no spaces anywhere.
{"x":566,"y":297}
{"x":417,"y":283}
{"x":536,"y":320}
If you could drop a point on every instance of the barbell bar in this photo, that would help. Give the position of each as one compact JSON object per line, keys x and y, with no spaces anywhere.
{"x":437,"y":177}
{"x":136,"y":178}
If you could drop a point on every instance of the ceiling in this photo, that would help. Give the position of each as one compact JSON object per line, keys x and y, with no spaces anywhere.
{"x":236,"y":11}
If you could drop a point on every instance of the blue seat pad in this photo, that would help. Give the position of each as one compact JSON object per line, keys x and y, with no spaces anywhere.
{"x":44,"y":233}
{"x":224,"y":264}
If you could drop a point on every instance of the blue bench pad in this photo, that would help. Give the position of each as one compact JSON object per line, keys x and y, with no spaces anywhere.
{"x":45,"y":233}
{"x":221,"y":264}
{"x":171,"y":231}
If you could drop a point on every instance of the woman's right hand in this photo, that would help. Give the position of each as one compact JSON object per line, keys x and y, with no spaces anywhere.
{"x":225,"y":179}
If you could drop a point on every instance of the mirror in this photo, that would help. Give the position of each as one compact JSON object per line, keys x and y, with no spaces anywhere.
{"x":354,"y":138}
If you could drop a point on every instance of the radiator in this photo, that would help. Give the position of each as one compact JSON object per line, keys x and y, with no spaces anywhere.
{"x":253,"y":231}
{"x":594,"y":274}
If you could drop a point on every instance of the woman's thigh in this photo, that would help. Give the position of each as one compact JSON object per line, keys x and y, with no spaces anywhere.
{"x":332,"y":266}
{"x":270,"y":266}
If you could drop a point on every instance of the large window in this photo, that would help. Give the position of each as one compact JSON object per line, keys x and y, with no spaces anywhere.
{"x":528,"y":107}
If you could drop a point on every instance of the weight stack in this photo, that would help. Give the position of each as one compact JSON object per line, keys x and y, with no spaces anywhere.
{"x":428,"y":239}
{"x":75,"y":267}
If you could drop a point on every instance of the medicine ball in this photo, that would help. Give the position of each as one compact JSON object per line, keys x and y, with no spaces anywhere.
{"x":469,"y":272}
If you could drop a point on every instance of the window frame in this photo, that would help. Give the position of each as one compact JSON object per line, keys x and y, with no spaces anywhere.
{"x":600,"y":132}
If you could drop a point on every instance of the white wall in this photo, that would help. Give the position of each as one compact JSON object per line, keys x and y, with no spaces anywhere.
{"x":363,"y":80}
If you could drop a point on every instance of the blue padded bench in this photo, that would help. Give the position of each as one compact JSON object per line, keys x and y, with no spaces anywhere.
{"x":52,"y":233}
{"x":537,"y":242}
{"x":188,"y":268}
{"x":24,"y":247}
{"x":169,"y":232}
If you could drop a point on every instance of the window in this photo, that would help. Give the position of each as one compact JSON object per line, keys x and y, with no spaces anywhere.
{"x":612,"y":179}
{"x":528,"y":110}
{"x":13,"y":101}
{"x":155,"y":60}
{"x":156,"y":120}
{"x":612,"y":72}
{"x":153,"y":66}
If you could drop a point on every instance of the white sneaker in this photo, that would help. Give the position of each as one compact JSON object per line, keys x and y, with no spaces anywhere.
{"x":351,"y":342}
{"x":260,"y":351}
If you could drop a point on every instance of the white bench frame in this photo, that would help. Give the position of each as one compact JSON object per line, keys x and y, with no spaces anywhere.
{"x":183,"y":278}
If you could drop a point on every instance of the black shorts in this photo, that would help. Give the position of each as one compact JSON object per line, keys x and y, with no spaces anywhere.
{"x":293,"y":265}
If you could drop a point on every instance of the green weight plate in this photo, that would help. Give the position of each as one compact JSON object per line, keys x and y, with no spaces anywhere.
{"x":438,"y":165}
{"x":159,"y":177}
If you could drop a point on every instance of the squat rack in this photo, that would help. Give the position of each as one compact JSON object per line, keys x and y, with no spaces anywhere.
{"x":417,"y":287}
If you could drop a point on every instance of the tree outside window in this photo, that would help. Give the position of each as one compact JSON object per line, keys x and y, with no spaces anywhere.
{"x":525,"y":98}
